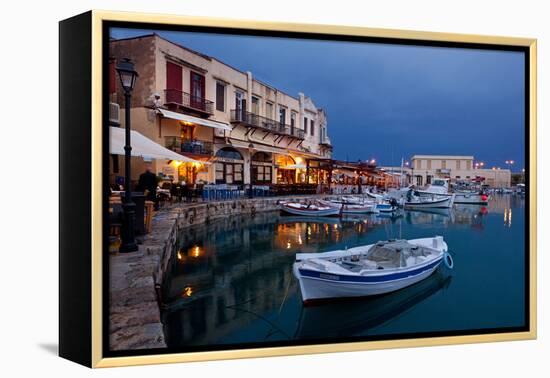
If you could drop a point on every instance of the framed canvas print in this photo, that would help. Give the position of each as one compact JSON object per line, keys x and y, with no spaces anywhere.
{"x":259,"y":189}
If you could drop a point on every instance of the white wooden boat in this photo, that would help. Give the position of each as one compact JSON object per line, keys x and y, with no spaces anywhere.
{"x":425,"y":202}
{"x":472,"y":198}
{"x":384,"y":206}
{"x":369,"y":270}
{"x":351,"y":208}
{"x":310,"y":210}
{"x":439,"y":187}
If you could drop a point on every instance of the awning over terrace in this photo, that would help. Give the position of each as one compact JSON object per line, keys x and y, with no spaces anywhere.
{"x":142,"y":146}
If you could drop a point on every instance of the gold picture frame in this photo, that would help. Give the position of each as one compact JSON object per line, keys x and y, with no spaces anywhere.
{"x":96,"y":22}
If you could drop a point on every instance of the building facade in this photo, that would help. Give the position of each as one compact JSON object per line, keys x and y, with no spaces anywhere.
{"x":239,"y":129}
{"x":424,"y":168}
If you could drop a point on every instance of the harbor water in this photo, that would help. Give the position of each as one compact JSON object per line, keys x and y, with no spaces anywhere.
{"x":231,"y":281}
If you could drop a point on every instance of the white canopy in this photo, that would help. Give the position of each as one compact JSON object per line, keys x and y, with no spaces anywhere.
{"x":142,"y":146}
{"x":199,"y":121}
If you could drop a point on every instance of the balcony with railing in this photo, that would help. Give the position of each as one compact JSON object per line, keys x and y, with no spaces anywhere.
{"x":263,"y":123}
{"x":189,"y":146}
{"x":179,"y":100}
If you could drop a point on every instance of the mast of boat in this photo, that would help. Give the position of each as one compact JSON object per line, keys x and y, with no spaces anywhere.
{"x":401,"y":175}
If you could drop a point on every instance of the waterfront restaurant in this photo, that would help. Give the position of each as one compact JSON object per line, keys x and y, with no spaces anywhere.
{"x":204,"y":109}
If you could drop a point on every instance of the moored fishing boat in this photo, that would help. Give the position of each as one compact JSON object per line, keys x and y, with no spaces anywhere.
{"x":439,"y":187}
{"x":369,"y":270}
{"x":310,"y":210}
{"x":425,"y":202}
{"x":352,"y":208}
{"x":472,"y":198}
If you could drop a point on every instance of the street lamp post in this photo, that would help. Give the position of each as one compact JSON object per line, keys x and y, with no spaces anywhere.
{"x":128,"y":77}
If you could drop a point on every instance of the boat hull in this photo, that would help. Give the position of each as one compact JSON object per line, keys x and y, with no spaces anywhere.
{"x":386,"y":208}
{"x":310,"y":213}
{"x":471,"y":199}
{"x":316,"y":285}
{"x":436,"y":204}
{"x":351,"y":208}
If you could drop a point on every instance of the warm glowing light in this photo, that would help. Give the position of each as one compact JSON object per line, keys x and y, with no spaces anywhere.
{"x":177,"y":163}
{"x":180,"y":256}
{"x":187,"y":291}
{"x":196,"y":251}
{"x":300,"y":239}
{"x":335,"y":226}
{"x":288,"y":245}
{"x":508,"y":217}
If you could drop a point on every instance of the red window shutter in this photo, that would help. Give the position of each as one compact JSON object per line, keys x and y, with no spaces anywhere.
{"x":174,"y":83}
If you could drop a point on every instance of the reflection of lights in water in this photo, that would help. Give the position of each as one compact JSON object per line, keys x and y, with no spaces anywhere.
{"x":187,"y":291}
{"x":300,"y":239}
{"x":196,"y":251}
{"x":288,"y":245}
{"x":508,"y":217}
{"x":335,"y":226}
{"x":309,"y":230}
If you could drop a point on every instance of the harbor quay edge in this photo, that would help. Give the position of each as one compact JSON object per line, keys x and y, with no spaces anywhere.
{"x":135,"y":278}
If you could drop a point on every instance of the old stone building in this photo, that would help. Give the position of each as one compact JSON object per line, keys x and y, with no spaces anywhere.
{"x":239,"y":129}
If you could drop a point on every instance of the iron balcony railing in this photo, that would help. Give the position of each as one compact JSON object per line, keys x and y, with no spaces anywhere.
{"x":255,"y":120}
{"x":186,"y":100}
{"x":191,"y":146}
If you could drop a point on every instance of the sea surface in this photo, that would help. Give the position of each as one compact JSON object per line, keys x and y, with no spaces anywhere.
{"x":231,"y":281}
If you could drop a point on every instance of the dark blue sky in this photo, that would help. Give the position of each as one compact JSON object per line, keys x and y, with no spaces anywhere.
{"x":389,"y":101}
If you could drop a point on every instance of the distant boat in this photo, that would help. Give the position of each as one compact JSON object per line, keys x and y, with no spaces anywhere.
{"x":438,"y":186}
{"x":351,"y":208}
{"x":369,"y":270}
{"x":471,"y":198}
{"x":310,"y":210}
{"x":424,"y":202}
{"x":386,"y":207}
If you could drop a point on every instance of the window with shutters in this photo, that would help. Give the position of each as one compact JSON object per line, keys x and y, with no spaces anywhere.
{"x":255,"y":105}
{"x":269,"y":110}
{"x":220,"y":97}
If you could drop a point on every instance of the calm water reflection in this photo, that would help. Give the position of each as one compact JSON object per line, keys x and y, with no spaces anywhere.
{"x":232,"y":282}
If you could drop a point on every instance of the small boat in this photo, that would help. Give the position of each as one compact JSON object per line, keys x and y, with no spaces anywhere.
{"x":424,"y":202}
{"x":471,"y":198}
{"x":387,"y":206}
{"x":369,"y":270}
{"x":376,"y":196}
{"x":310,"y":210}
{"x":439,"y":187}
{"x":352,"y":208}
